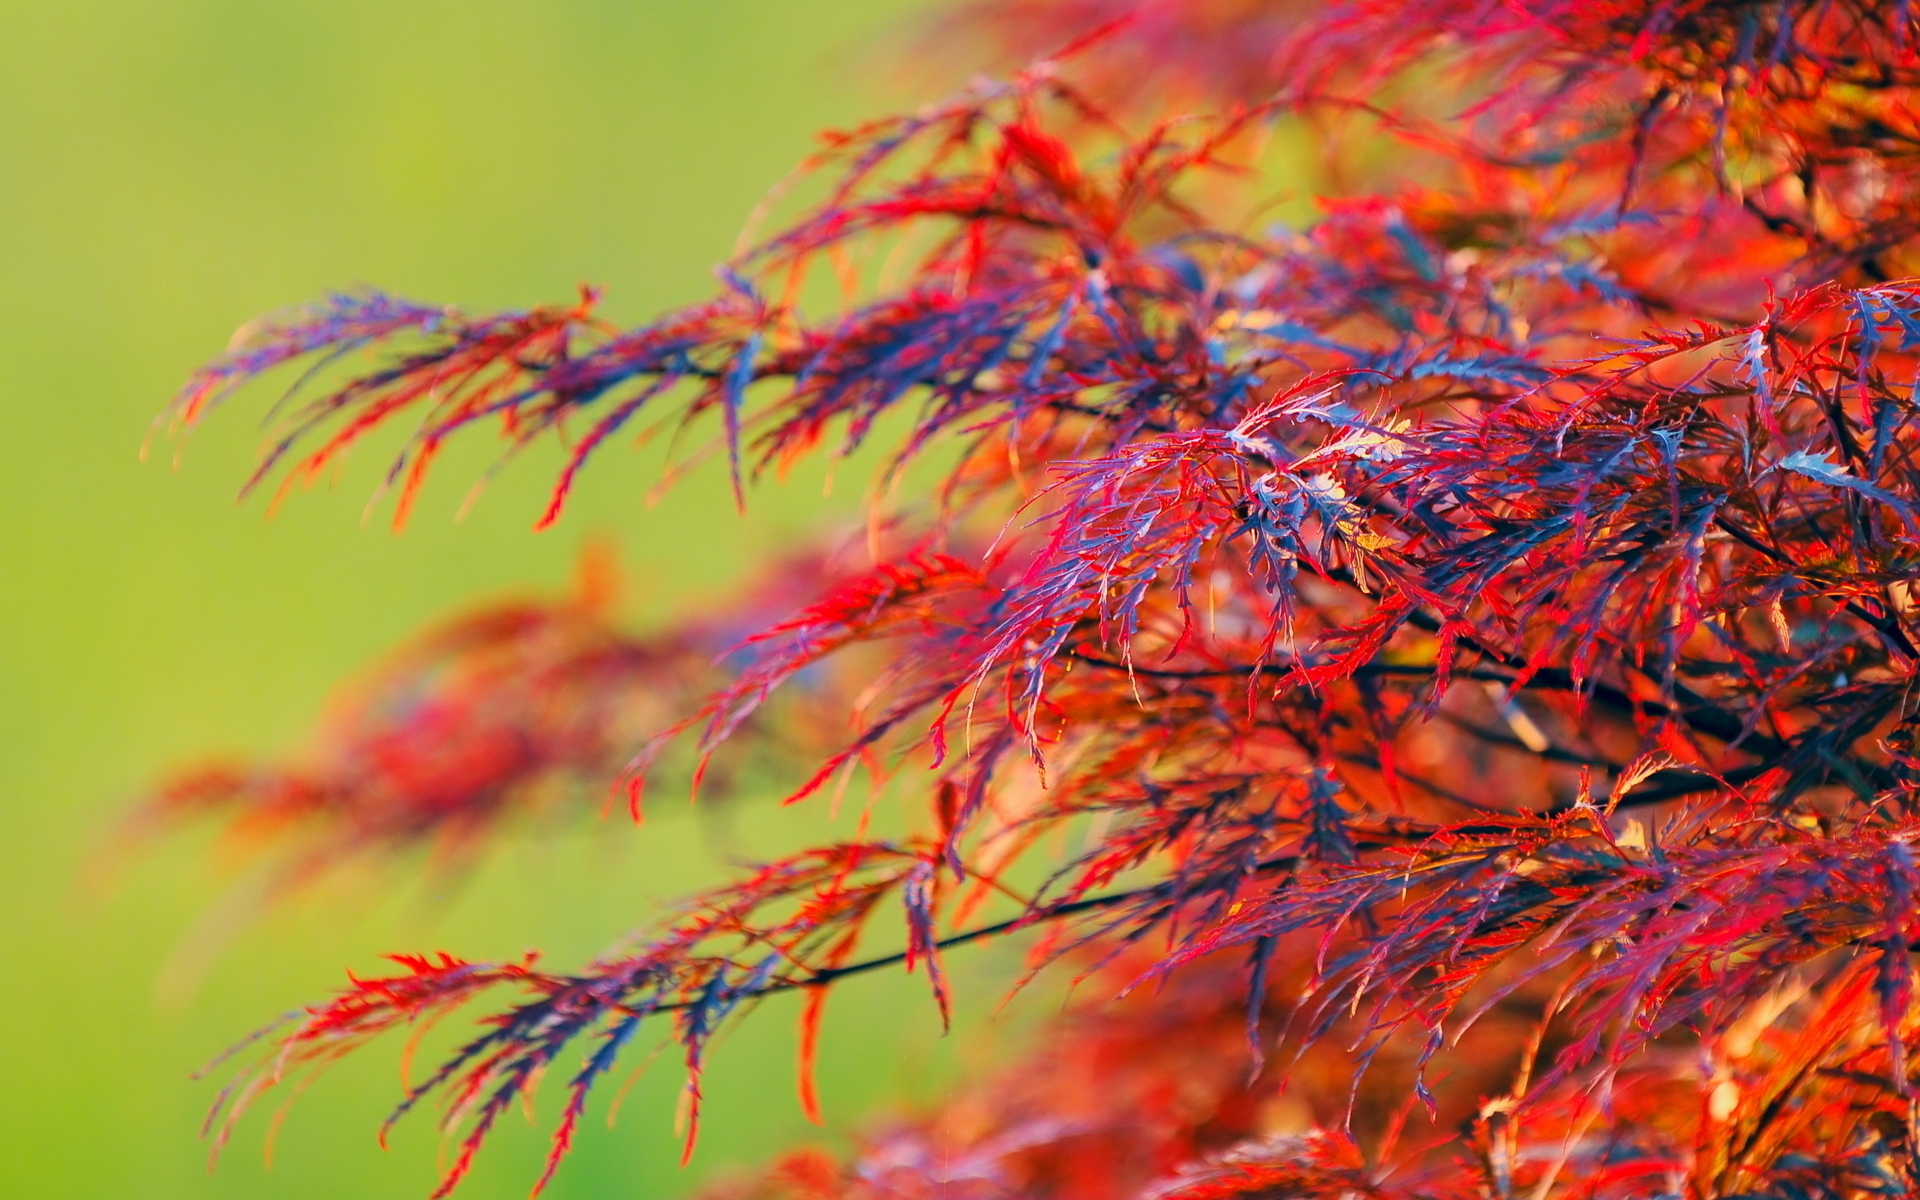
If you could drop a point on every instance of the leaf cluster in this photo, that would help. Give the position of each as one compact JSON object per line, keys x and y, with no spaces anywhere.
{"x":1489,"y":607}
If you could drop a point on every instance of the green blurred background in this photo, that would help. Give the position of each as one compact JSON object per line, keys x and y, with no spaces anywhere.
{"x":171,"y":169}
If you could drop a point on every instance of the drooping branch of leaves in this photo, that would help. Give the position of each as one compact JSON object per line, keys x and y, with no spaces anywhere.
{"x":1481,"y":623}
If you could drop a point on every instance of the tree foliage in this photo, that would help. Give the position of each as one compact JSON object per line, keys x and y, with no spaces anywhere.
{"x":1471,"y":636}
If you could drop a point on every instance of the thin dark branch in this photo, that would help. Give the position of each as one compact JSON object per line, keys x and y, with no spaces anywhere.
{"x":829,"y":975}
{"x":1699,"y":715}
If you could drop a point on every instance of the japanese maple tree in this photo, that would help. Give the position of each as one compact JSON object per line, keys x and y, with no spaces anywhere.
{"x":1470,"y":638}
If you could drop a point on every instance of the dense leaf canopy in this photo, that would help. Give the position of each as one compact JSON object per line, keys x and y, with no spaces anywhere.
{"x":1472,"y":635}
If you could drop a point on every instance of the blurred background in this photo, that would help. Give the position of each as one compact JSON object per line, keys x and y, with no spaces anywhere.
{"x":173,"y":168}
